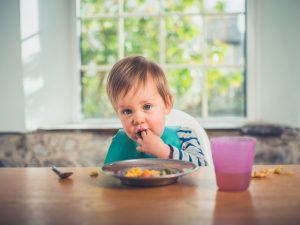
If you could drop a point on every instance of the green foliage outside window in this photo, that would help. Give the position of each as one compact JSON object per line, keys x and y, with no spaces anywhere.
{"x":201,"y":49}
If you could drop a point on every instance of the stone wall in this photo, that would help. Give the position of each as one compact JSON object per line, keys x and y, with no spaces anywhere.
{"x":88,"y":147}
{"x":60,"y":148}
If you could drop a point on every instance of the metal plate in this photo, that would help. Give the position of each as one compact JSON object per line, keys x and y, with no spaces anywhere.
{"x":178,"y":167}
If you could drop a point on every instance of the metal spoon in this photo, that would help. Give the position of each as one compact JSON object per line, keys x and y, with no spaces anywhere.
{"x":60,"y":174}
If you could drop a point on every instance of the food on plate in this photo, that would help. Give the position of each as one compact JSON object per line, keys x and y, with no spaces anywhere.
{"x":266,"y":172}
{"x":138,"y":172}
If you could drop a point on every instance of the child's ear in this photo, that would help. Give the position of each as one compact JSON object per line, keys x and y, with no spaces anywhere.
{"x":169,"y":104}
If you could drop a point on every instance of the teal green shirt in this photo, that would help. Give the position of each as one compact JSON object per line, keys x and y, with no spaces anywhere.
{"x":123,"y":148}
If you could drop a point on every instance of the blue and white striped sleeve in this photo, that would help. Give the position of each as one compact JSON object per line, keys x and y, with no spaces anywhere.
{"x":190,"y":147}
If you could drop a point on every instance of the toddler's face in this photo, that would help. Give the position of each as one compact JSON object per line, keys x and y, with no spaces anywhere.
{"x":142,"y":109}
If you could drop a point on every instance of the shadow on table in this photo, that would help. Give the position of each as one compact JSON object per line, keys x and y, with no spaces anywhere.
{"x":234,"y":208}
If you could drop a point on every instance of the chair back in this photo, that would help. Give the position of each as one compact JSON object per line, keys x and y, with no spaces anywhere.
{"x":180,"y":118}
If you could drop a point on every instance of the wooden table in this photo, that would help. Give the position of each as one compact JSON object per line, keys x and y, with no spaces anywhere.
{"x":36,"y":196}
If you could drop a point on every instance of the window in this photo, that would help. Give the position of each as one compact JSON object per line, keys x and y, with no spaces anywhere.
{"x":199,"y":43}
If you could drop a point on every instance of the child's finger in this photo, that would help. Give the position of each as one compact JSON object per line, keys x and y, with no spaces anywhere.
{"x":139,"y":148}
{"x":143,"y":133}
{"x":139,"y":140}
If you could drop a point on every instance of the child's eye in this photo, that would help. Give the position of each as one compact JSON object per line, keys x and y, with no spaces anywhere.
{"x":126,"y":111}
{"x":147,"y":107}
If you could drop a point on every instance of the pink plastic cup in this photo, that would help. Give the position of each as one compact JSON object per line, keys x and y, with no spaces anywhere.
{"x":233,"y":159}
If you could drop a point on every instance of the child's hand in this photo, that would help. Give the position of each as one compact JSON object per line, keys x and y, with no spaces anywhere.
{"x":152,"y":144}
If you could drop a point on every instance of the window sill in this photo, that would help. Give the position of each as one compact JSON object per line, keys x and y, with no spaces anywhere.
{"x":220,"y":124}
{"x":223,"y":124}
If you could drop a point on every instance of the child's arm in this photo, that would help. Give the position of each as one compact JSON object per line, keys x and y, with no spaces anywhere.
{"x":190,"y":148}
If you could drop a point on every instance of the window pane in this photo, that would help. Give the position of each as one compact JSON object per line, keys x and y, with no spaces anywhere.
{"x":226,"y":94}
{"x":201,"y":43}
{"x":95,"y":103}
{"x":185,"y":85}
{"x":137,"y":6}
{"x":142,"y":37}
{"x":99,"y":43}
{"x":225,"y":40}
{"x":183,"y":39}
{"x":221,"y":6}
{"x":190,"y":6}
{"x":96,"y":7}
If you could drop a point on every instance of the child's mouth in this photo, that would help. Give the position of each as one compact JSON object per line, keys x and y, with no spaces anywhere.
{"x":139,"y":134}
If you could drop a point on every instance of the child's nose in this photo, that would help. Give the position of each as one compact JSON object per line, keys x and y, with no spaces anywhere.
{"x":138,"y":118}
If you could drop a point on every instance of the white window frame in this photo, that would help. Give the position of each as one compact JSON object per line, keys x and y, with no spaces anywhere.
{"x":222,"y":122}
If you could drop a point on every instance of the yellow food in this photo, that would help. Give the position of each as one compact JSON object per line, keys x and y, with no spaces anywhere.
{"x":266,"y":172}
{"x":94,"y":174}
{"x":138,"y":172}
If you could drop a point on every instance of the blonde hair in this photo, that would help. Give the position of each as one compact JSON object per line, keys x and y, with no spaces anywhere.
{"x":133,"y":71}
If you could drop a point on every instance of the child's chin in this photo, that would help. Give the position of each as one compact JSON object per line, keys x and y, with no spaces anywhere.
{"x":130,"y":136}
{"x":133,"y":138}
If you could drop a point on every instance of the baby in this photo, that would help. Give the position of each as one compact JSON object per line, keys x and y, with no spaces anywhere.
{"x":138,"y":91}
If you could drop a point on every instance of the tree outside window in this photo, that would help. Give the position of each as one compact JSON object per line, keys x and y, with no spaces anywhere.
{"x":200,"y":44}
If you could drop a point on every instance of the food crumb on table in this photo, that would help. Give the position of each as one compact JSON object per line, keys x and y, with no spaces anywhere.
{"x":266,"y":172}
{"x":94,"y":174}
